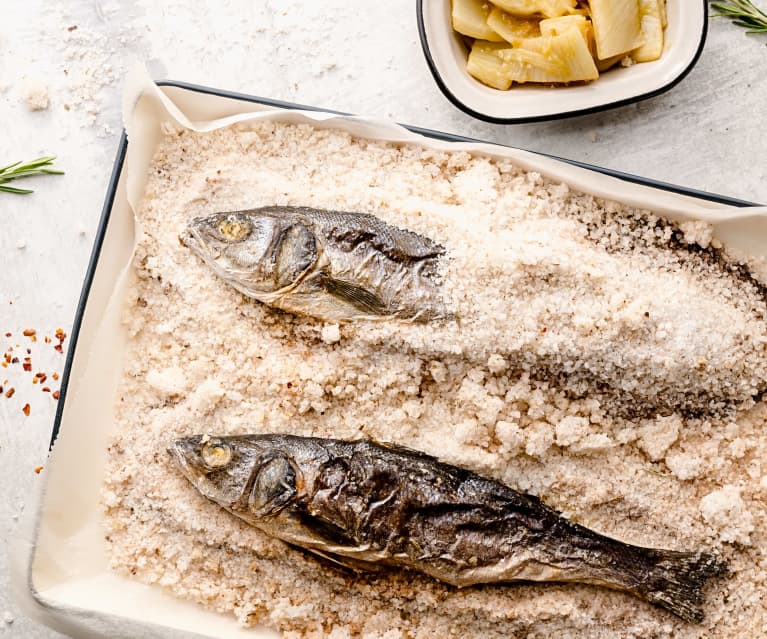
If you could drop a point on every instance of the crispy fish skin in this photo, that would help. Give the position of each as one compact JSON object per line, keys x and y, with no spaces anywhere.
{"x":367,"y":505}
{"x":332,"y":265}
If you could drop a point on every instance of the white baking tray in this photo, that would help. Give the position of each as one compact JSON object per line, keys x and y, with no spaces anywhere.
{"x":59,"y":562}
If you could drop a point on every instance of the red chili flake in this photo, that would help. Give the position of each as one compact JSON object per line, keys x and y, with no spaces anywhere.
{"x":61,"y":336}
{"x":38,"y":469}
{"x":55,"y":394}
{"x":7,"y":357}
{"x":15,"y":360}
{"x":41,"y":376}
{"x":25,"y":410}
{"x":544,"y":329}
{"x":27,"y":365}
{"x":29,"y":351}
{"x":8,"y":334}
{"x":47,"y":339}
{"x":1,"y":390}
{"x":72,"y":28}
{"x":289,"y":384}
{"x":46,"y":389}
{"x":29,"y":332}
{"x":9,"y":393}
{"x":55,"y":376}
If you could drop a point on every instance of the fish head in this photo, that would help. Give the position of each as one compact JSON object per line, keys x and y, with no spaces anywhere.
{"x":247,"y":475}
{"x":257,"y":252}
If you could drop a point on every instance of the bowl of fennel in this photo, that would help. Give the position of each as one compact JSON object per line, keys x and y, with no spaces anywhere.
{"x":513,"y":61}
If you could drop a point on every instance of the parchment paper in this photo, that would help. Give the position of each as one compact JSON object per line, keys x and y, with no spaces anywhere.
{"x":59,"y":563}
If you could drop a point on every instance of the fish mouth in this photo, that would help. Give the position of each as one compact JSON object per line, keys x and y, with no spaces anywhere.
{"x":191,"y":238}
{"x":182,"y":453}
{"x":185,"y":238}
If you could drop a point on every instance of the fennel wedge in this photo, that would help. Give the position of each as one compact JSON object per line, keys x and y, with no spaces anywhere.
{"x":533,"y":41}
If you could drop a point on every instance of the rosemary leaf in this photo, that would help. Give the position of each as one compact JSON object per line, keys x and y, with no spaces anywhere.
{"x":20,"y":170}
{"x":743,"y":13}
{"x":11,"y":189}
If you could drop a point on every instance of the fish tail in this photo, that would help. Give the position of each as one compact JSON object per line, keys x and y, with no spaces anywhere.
{"x":675,"y":580}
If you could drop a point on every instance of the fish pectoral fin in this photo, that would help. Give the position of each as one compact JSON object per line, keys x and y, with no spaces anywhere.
{"x":354,"y":295}
{"x":357,"y":565}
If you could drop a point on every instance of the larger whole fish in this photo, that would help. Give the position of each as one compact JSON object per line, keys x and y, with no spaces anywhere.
{"x":332,"y":265}
{"x":366,"y":505}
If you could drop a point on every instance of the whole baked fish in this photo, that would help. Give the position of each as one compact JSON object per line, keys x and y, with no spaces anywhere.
{"x":331,"y":265}
{"x":366,"y":505}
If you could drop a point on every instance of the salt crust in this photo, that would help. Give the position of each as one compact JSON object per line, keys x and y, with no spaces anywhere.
{"x":527,"y":254}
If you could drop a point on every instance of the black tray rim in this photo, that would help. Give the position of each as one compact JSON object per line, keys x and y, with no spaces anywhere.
{"x":556,"y":116}
{"x":117,"y":168}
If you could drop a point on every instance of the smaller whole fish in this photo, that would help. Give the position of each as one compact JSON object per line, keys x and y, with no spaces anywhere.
{"x":332,"y":265}
{"x":366,"y":505}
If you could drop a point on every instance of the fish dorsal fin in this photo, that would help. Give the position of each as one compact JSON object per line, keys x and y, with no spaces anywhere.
{"x":395,"y":243}
{"x":348,"y":230}
{"x":354,"y":295}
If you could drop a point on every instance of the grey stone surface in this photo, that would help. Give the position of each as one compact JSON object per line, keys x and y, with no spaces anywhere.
{"x":707,"y":133}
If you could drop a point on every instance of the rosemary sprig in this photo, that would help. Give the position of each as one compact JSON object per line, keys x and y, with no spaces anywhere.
{"x":743,"y":13}
{"x":19,"y":170}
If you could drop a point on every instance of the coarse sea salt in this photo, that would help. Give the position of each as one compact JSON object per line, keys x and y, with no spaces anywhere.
{"x":572,"y":312}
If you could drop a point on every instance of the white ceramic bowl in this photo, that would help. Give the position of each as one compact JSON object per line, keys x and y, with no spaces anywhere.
{"x":446,"y":55}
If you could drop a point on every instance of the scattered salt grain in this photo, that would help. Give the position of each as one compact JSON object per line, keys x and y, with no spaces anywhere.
{"x":593,"y":443}
{"x":331,"y":333}
{"x":571,"y":429}
{"x":470,"y":431}
{"x":438,"y":371}
{"x":684,"y":466}
{"x":7,"y":617}
{"x":510,"y":435}
{"x":540,"y":437}
{"x":697,"y":232}
{"x":206,"y":396}
{"x":657,"y":436}
{"x":167,"y":381}
{"x":496,"y":364}
{"x":35,"y":95}
{"x":725,"y":510}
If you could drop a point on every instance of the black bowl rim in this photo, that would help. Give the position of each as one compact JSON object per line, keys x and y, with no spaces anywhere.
{"x":122,"y":149}
{"x":555,"y":116}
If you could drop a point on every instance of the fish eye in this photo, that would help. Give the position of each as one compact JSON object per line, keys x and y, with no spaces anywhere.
{"x":233,"y":229}
{"x":216,"y":453}
{"x":274,"y":486}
